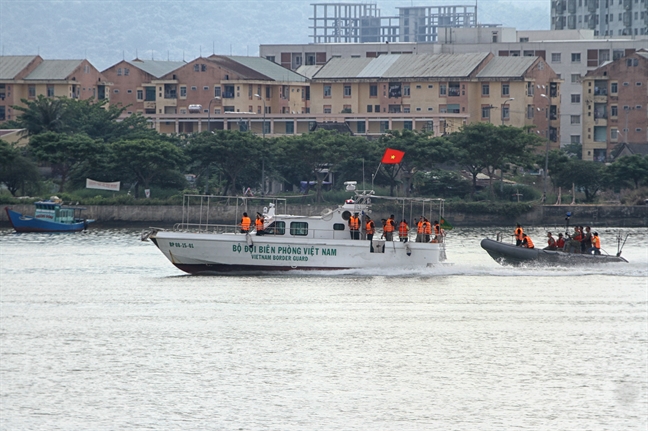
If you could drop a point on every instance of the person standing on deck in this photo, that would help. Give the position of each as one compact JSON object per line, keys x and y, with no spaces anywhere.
{"x":596,"y":244}
{"x":403,"y":231}
{"x":389,"y":228}
{"x":370,"y":227}
{"x":419,"y":230}
{"x":354,"y":226}
{"x":245,"y":223}
{"x":259,"y":224}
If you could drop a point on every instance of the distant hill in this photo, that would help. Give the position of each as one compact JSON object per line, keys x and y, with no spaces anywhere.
{"x":107,"y":31}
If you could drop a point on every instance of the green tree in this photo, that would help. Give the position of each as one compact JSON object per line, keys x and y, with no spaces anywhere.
{"x":66,"y":153}
{"x":40,"y":115}
{"x":630,"y":170}
{"x":233,"y":153}
{"x":590,"y":177}
{"x":483,"y":146}
{"x":16,"y":170}
{"x":147,"y":160}
{"x":312,"y":155}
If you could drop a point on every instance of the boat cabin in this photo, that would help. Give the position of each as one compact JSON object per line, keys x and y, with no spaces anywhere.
{"x":53,"y":211}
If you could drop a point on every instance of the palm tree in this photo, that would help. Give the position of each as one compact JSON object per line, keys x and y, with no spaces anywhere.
{"x":41,"y":115}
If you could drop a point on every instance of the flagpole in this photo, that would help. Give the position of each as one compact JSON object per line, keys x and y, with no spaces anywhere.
{"x":374,"y":175}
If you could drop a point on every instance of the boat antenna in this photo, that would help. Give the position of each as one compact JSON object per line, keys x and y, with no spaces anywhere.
{"x":619,"y":245}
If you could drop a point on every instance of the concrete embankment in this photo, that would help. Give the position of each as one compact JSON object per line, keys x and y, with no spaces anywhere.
{"x":549,"y":215}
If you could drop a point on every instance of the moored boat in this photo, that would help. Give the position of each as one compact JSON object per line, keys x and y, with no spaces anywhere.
{"x":49,"y":216}
{"x":290,"y":242}
{"x":510,"y":254}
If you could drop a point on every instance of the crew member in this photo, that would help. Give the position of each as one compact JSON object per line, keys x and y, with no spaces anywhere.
{"x":354,"y":226}
{"x":427,"y":230}
{"x":518,"y":233}
{"x":438,"y":233}
{"x":259,"y":224}
{"x":586,"y":241}
{"x":526,"y":241}
{"x":551,"y":242}
{"x":596,"y":244}
{"x":403,"y":231}
{"x":419,"y":230}
{"x":245,"y":223}
{"x":371,"y":228}
{"x":560,"y":242}
{"x":389,"y":228}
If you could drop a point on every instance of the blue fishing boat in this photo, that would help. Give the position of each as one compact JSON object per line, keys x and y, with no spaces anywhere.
{"x":50,"y":216}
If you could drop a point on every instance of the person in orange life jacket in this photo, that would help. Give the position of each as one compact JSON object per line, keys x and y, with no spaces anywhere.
{"x":551,"y":242}
{"x":259,"y":224}
{"x":596,"y":244}
{"x":560,"y":242}
{"x":245,"y":223}
{"x":518,"y":233}
{"x":389,"y":228}
{"x":403,"y":231}
{"x":419,"y":230}
{"x":527,"y":242}
{"x":438,"y":232}
{"x":371,"y":229}
{"x":573,"y":245}
{"x":354,"y":226}
{"x":427,"y":230}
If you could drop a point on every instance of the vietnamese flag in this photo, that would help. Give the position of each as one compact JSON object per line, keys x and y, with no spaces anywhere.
{"x":392,"y":157}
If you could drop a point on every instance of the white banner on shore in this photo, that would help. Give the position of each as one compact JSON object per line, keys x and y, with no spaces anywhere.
{"x":92,"y":184}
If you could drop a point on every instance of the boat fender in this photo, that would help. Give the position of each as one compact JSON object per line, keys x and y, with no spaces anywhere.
{"x":408,"y":250}
{"x":248,"y":240}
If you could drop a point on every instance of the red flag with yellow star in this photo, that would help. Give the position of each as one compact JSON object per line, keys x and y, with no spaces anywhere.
{"x":392,"y":157}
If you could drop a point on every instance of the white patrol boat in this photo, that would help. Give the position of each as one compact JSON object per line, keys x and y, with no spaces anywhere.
{"x":292,"y":242}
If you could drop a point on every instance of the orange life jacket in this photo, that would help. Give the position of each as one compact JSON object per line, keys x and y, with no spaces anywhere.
{"x":578,"y":237}
{"x":403,"y":229}
{"x":389,"y":226}
{"x":596,"y":242}
{"x":419,"y":227}
{"x":371,"y":227}
{"x":437,"y":229}
{"x":259,"y":224}
{"x":551,"y":242}
{"x":529,"y":243}
{"x":354,"y":223}
{"x":518,"y":233}
{"x":245,"y":223}
{"x":427,"y":229}
{"x":560,"y":243}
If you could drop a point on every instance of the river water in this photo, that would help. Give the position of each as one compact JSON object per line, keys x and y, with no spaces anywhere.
{"x":99,"y":331}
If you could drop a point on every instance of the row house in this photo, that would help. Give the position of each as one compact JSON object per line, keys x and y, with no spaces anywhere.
{"x":615,"y":106}
{"x":439,"y":92}
{"x":27,"y":77}
{"x":209,"y":93}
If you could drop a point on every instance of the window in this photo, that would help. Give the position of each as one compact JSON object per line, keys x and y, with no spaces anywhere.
{"x":575,"y":57}
{"x":575,"y":139}
{"x":530,"y":89}
{"x":485,"y":89}
{"x":406,"y":90}
{"x":505,"y":112}
{"x":376,"y":108}
{"x":116,"y":91}
{"x":555,"y":57}
{"x":443,"y":109}
{"x":530,"y":111}
{"x":614,"y":87}
{"x":205,"y":88}
{"x":119,"y":71}
{"x":327,"y":109}
{"x":149,"y":94}
{"x":361,"y":128}
{"x":126,"y":71}
{"x":614,"y":134}
{"x":338,"y":226}
{"x":140,"y":94}
{"x":196,"y":68}
{"x":31,"y":91}
{"x":506,"y":90}
{"x":194,"y":88}
{"x":369,"y":108}
{"x":575,"y":98}
{"x":217,"y":91}
{"x":614,"y":111}
{"x":276,"y":228}
{"x":575,"y":119}
{"x":50,"y":91}
{"x":384,"y":126}
{"x":290,"y":128}
{"x":485,"y":110}
{"x":443,"y":89}
{"x":129,"y":91}
{"x":453,"y":89}
{"x":407,"y":125}
{"x":299,"y":228}
{"x":347,"y":91}
{"x":575,"y":78}
{"x":638,"y":84}
{"x":373,"y":91}
{"x":429,"y":86}
{"x":346,"y":109}
{"x":327,"y":91}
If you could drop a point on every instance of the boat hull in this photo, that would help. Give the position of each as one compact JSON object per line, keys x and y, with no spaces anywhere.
{"x":508,"y":254}
{"x":204,"y":252}
{"x":25,"y":223}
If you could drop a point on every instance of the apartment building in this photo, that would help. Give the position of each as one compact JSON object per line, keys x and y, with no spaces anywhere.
{"x":604,"y":17}
{"x":27,"y":77}
{"x":216,"y":92}
{"x":570,"y":53}
{"x":417,"y":91}
{"x":615,"y":106}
